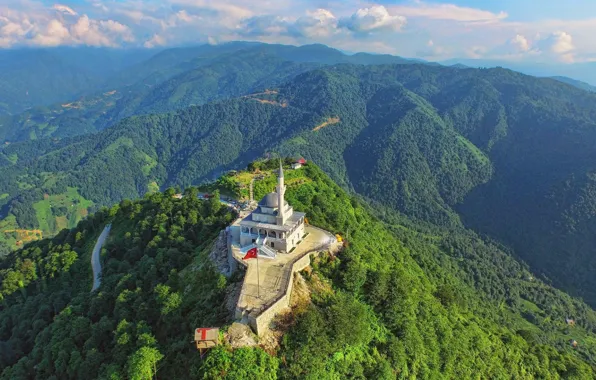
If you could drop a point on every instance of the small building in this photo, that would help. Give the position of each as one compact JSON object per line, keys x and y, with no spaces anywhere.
{"x":177,"y":196}
{"x":206,"y":337}
{"x":275,"y":220}
{"x":298,"y":164}
{"x":573,"y":343}
{"x":570,"y":321}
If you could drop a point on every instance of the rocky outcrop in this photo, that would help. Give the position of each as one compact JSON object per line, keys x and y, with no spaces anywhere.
{"x":240,"y":335}
{"x":219,"y":254}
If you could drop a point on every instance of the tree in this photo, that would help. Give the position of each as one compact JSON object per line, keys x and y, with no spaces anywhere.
{"x":142,"y":364}
{"x":214,"y":203}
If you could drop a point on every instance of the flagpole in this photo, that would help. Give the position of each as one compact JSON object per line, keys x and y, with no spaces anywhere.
{"x":258,"y":277}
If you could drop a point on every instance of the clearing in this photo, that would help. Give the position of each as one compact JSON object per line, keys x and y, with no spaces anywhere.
{"x":329,"y":121}
{"x":59,"y":211}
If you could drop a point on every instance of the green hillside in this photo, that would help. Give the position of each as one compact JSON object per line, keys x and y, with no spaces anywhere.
{"x":40,"y":77}
{"x":503,"y":153}
{"x":576,"y":83}
{"x":174,"y":79}
{"x":402,"y":300}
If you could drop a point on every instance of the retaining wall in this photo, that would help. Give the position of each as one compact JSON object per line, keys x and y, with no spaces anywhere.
{"x":260,"y":321}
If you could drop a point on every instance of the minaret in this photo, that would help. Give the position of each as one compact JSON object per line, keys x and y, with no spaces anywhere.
{"x":281,"y":202}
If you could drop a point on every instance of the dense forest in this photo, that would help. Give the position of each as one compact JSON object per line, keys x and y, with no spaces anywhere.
{"x":41,"y":77}
{"x":171,"y":79}
{"x":508,"y":155}
{"x":402,"y":300}
{"x":154,"y":291}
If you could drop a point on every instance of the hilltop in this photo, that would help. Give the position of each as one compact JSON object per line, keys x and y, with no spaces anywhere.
{"x":401,"y":299}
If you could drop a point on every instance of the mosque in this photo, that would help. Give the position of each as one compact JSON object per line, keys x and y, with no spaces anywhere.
{"x":273,"y":221}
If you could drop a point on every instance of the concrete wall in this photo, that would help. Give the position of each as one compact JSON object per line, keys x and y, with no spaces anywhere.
{"x":261,"y":322}
{"x":232,"y":263}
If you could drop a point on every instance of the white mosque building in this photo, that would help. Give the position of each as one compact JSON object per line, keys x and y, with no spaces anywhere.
{"x":275,"y":220}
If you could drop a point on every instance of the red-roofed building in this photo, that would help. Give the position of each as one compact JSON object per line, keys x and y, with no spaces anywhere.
{"x":206,"y":337}
{"x":298,"y":164}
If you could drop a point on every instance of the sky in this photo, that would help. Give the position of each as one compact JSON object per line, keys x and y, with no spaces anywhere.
{"x":546,"y":31}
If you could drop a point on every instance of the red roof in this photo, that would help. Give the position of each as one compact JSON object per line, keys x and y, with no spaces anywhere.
{"x":207,"y":333}
{"x":301,"y":161}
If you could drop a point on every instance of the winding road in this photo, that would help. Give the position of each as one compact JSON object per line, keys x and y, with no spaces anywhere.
{"x":95,"y":264}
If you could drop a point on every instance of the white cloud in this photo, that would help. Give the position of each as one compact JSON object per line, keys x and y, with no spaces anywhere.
{"x":55,"y":34}
{"x":36,"y":25}
{"x":558,"y":45}
{"x":375,"y":18}
{"x":476,"y":52}
{"x":430,"y":29}
{"x":155,"y":41}
{"x":452,"y":12}
{"x":432,"y":51}
{"x":64,"y":9}
{"x":520,"y":43}
{"x":317,"y":24}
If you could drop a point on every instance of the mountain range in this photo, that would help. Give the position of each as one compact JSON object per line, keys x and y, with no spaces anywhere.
{"x":579,"y":71}
{"x":494,"y":149}
{"x":489,"y":166}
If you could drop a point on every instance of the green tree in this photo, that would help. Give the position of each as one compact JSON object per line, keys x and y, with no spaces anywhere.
{"x":142,"y":365}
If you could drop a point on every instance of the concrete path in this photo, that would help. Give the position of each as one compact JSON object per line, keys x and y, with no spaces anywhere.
{"x":263,"y":284}
{"x":95,"y":264}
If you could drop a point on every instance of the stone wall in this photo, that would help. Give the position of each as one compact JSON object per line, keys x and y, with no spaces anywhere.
{"x":232,"y":263}
{"x":219,"y":254}
{"x":261,"y":322}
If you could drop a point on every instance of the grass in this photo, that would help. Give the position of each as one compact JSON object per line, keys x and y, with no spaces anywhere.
{"x":7,"y":224}
{"x":150,"y":163}
{"x":61,"y":222}
{"x":76,"y":209}
{"x":51,"y":179}
{"x":244,"y":178}
{"x":268,"y":183}
{"x":122,"y":141}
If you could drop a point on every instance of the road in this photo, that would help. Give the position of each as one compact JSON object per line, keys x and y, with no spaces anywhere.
{"x":95,"y":264}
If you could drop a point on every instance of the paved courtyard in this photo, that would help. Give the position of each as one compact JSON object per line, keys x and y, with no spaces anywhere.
{"x":265,"y":278}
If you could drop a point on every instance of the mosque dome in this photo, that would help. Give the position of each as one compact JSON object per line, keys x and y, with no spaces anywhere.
{"x":270,"y":200}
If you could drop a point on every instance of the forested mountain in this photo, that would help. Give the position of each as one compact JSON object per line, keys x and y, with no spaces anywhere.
{"x":174,"y":79}
{"x":508,"y":154}
{"x":579,"y":71}
{"x":39,"y":77}
{"x":402,"y":300}
{"x":576,"y":83}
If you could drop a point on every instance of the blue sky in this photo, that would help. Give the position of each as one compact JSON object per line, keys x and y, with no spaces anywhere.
{"x":544,"y":31}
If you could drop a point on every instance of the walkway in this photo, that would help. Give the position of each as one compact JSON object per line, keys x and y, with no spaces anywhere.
{"x":266,"y":283}
{"x":95,"y":264}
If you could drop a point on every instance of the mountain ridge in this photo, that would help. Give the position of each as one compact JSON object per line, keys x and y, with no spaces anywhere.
{"x":397,"y":301}
{"x":448,"y":141}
